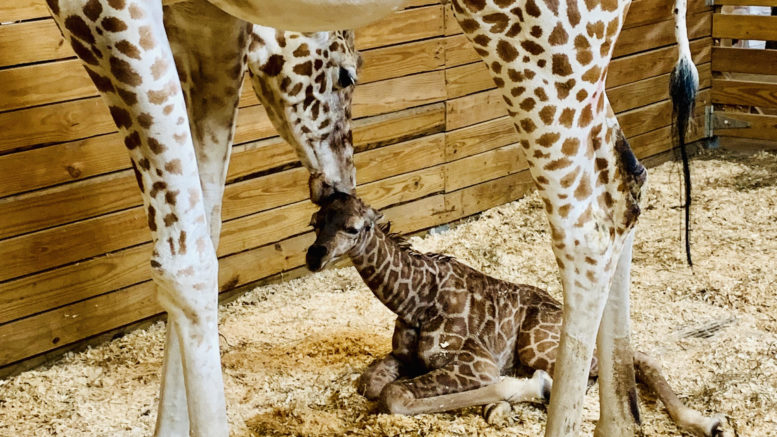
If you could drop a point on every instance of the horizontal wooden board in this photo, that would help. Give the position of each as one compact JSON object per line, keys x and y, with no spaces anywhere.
{"x":32,"y":85}
{"x":483,"y":167}
{"x":649,"y":36}
{"x":22,"y":10}
{"x":740,"y":92}
{"x":652,"y":90}
{"x":402,"y":26}
{"x":474,"y":108}
{"x":651,"y":117}
{"x":30,"y":295}
{"x":655,"y":62}
{"x":738,"y":60}
{"x":756,"y":27}
{"x":746,"y":2}
{"x":763,"y":127}
{"x":32,"y":41}
{"x":479,"y":138}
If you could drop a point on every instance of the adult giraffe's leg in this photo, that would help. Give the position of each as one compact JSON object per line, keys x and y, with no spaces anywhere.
{"x":550,"y":60}
{"x":125,"y":51}
{"x":211,"y":71}
{"x":619,"y":411}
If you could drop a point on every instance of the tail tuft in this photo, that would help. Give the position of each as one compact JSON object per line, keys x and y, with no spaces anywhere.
{"x":683,"y":87}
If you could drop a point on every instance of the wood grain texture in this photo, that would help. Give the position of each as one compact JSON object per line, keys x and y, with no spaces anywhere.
{"x":738,"y":60}
{"x":741,"y":92}
{"x":756,"y":27}
{"x":762,"y":127}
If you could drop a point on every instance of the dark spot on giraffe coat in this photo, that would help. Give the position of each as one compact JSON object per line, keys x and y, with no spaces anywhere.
{"x":499,"y":82}
{"x":583,"y":189}
{"x":570,"y":146}
{"x":540,"y":93}
{"x":103,"y":84}
{"x":78,"y":28}
{"x":581,"y":95}
{"x":528,"y":73}
{"x":157,"y":187}
{"x":132,"y":140}
{"x":171,"y":246}
{"x":568,"y":179}
{"x":157,"y":97}
{"x":121,"y":117}
{"x":496,"y":67}
{"x":171,"y":197}
{"x":128,"y":97}
{"x":532,"y":9}
{"x":54,"y":6}
{"x":558,"y":35}
{"x":138,"y":177}
{"x":93,"y":9}
{"x":552,"y":5}
{"x":595,"y":29}
{"x":498,"y":20}
{"x":146,"y":37}
{"x":528,"y":125}
{"x":515,"y":76}
{"x":281,"y":38}
{"x":474,"y":5}
{"x":113,"y":24}
{"x":593,"y":75}
{"x":514,"y":30}
{"x":527,"y":104}
{"x":563,"y":88}
{"x":585,"y":116}
{"x":144,"y":164}
{"x":151,"y":217}
{"x":573,"y":13}
{"x":304,"y":69}
{"x":117,"y":4}
{"x":566,"y":117}
{"x":532,"y":47}
{"x":482,"y":40}
{"x":170,"y":219}
{"x":560,"y":65}
{"x":506,"y":51}
{"x":548,"y":139}
{"x":536,"y":31}
{"x":156,"y":146}
{"x":128,"y":49}
{"x":124,"y":72}
{"x":301,"y":51}
{"x":273,"y":66}
{"x":159,"y":67}
{"x":469,"y":25}
{"x":83,"y":53}
{"x":547,"y":113}
{"x":182,"y":243}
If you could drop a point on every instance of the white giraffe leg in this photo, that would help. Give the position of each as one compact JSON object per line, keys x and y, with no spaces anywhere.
{"x":172,"y":416}
{"x":619,"y":412}
{"x":124,"y":47}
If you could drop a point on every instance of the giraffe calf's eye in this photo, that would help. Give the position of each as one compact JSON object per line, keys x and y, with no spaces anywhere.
{"x":351,"y":230}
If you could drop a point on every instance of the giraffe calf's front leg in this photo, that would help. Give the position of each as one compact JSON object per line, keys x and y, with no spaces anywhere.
{"x":406,"y":397}
{"x":378,"y":375}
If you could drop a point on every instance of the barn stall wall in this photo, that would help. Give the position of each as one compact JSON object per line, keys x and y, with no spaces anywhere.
{"x":744,"y":87}
{"x":433,"y":145}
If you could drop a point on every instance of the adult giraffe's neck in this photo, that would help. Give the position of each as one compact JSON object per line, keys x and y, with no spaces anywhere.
{"x":398,"y":276}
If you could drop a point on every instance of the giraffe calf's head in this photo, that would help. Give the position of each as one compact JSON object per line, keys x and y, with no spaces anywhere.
{"x":341,"y":226}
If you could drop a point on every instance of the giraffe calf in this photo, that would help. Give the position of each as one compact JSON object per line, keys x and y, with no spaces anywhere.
{"x":460,"y":335}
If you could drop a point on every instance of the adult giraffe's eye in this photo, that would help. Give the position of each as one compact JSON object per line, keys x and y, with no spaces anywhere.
{"x":351,"y":230}
{"x":344,"y":79}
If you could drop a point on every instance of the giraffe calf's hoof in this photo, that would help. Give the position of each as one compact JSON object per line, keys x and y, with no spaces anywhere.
{"x":498,"y":414}
{"x":545,"y":383}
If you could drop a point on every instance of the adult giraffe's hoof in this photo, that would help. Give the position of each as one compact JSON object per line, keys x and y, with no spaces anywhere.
{"x":498,"y":414}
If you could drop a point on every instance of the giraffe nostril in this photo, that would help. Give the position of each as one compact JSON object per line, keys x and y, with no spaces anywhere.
{"x":344,"y":79}
{"x":315,"y":256}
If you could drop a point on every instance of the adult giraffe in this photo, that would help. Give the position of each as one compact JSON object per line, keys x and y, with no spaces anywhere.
{"x":172,"y":88}
{"x":550,"y":59}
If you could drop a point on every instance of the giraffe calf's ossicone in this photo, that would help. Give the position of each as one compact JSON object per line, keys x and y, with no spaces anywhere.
{"x":460,"y":335}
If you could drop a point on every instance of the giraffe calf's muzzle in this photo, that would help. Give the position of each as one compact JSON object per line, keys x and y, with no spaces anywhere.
{"x":315,"y":257}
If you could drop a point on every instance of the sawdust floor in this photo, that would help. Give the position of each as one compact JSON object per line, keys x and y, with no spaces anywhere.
{"x":293,"y":351}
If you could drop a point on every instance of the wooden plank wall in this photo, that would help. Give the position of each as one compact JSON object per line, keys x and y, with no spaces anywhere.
{"x":433,"y":145}
{"x":745,"y":79}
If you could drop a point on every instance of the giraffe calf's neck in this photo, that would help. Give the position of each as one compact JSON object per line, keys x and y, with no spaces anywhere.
{"x":460,"y":333}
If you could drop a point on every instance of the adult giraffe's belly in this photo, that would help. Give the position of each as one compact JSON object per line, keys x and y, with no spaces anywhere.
{"x":308,"y":15}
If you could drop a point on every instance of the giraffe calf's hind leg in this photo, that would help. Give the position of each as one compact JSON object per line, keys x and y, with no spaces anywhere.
{"x":649,"y":372}
{"x":380,"y":373}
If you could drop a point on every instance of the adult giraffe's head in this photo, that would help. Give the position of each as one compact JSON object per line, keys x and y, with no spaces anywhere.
{"x":305,"y":82}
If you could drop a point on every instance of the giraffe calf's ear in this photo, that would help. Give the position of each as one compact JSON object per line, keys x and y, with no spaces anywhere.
{"x":374,"y":215}
{"x":313,"y":220}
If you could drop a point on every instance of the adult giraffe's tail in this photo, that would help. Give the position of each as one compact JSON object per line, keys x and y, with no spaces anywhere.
{"x":683,"y":86}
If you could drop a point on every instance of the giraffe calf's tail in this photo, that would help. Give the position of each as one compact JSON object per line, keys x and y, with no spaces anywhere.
{"x":648,"y":372}
{"x":683,"y":87}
